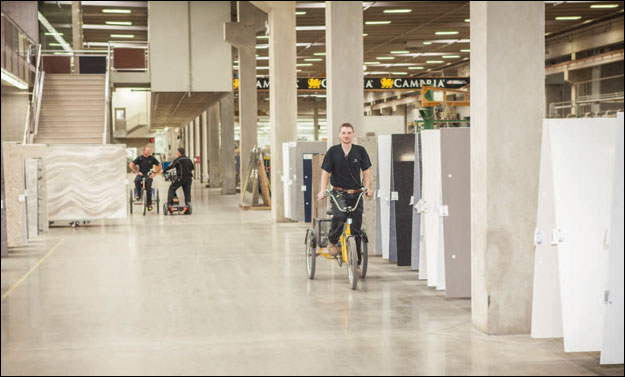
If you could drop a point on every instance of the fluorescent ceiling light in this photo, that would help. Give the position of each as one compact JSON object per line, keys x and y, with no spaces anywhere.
{"x":55,"y":44}
{"x":262,"y":58}
{"x":257,"y":67}
{"x":364,"y":34}
{"x":400,"y":52}
{"x":303,"y":64}
{"x":236,"y":61}
{"x":467,"y":20}
{"x":399,"y":65}
{"x":568,"y":18}
{"x":122,"y":35}
{"x":379,"y":73}
{"x":57,"y":33}
{"x":399,"y":73}
{"x":377,"y":22}
{"x":465,"y":50}
{"x":413,"y":68}
{"x":446,"y":33}
{"x":434,"y":61}
{"x":262,"y":37}
{"x":427,"y":43}
{"x":385,"y":58}
{"x":451,"y":56}
{"x":373,"y":63}
{"x":300,"y":13}
{"x":260,"y":47}
{"x":604,"y":6}
{"x":320,"y":54}
{"x":53,"y":32}
{"x":123,"y":23}
{"x":63,"y":53}
{"x":313,"y":60}
{"x":310,"y":28}
{"x":397,"y":10}
{"x":13,"y":80}
{"x":298,"y":70}
{"x":124,"y":11}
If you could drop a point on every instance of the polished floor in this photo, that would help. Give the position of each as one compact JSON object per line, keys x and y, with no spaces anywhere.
{"x":224,"y":291}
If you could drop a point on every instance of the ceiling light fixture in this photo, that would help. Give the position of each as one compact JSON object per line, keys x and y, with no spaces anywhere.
{"x":604,"y":6}
{"x":446,"y":33}
{"x":400,"y":52}
{"x":313,"y":60}
{"x":319,"y":54}
{"x":413,"y":68}
{"x":397,"y":10}
{"x":303,"y":64}
{"x":13,"y":80}
{"x":568,"y":18}
{"x":434,"y":62}
{"x":310,"y":28}
{"x":465,"y":50}
{"x":385,"y":58}
{"x":467,"y":20}
{"x":377,"y":22}
{"x":123,"y":11}
{"x":300,"y":13}
{"x":122,"y":23}
{"x":451,"y":56}
{"x":122,"y":36}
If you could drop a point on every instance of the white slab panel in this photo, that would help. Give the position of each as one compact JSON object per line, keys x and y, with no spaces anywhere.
{"x":294,"y":190}
{"x":432,"y":199}
{"x":440,"y":276}
{"x":382,"y":125}
{"x":583,"y":152}
{"x":546,"y":303}
{"x":14,"y":198}
{"x":423,"y":262}
{"x":613,"y":329}
{"x":86,"y":182}
{"x":288,"y":209}
{"x":384,"y":191}
{"x":31,"y":170}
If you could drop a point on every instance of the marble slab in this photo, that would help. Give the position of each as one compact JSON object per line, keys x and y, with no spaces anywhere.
{"x":456,"y":186}
{"x":86,"y":182}
{"x":432,"y":201}
{"x":383,"y":194}
{"x":286,"y":180}
{"x":14,"y":194}
{"x":319,"y":206}
{"x":546,"y":302}
{"x":613,"y":329}
{"x":370,"y":143}
{"x":416,"y":215}
{"x":403,"y":179}
{"x":40,"y":151}
{"x":302,"y":148}
{"x":32,"y":171}
{"x":583,"y":155}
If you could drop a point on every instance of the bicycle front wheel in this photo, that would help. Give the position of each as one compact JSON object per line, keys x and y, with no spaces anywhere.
{"x":364,"y":248}
{"x":145,"y":201}
{"x":352,"y":262}
{"x":311,"y":254}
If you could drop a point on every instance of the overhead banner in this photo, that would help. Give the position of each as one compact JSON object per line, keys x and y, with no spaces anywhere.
{"x":373,"y":83}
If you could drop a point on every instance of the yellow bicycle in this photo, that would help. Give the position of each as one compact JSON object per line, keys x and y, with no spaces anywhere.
{"x":317,"y":237}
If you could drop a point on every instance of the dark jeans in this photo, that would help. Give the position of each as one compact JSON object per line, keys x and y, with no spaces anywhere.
{"x":148,"y":186}
{"x":186,"y":188}
{"x":339,"y":218}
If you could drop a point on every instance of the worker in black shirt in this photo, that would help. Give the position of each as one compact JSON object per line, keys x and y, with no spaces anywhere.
{"x":145,"y":162}
{"x":341,"y":166}
{"x":184,"y":168}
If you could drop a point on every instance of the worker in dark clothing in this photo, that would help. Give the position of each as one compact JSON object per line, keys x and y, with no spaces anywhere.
{"x":145,"y":162}
{"x":184,"y":168}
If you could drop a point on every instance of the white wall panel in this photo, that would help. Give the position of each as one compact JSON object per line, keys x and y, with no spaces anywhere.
{"x":384,"y":190}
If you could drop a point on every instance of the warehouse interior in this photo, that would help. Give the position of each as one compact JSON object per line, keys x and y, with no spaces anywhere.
{"x":492,"y":232}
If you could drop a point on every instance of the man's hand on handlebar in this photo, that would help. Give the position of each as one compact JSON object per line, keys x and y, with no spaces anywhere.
{"x":152,"y":175}
{"x":369,"y":193}
{"x":321,"y":195}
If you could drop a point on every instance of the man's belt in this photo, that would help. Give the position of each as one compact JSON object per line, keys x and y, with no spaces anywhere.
{"x":347,"y":191}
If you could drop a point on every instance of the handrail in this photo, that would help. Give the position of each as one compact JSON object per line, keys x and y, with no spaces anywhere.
{"x":106,"y":95}
{"x":37,"y":93}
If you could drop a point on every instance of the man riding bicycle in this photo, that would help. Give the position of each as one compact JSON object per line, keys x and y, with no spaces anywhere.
{"x":341,"y":166}
{"x":145,"y":162}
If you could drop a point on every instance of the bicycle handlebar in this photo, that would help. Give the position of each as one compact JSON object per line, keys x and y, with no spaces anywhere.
{"x":363,"y":190}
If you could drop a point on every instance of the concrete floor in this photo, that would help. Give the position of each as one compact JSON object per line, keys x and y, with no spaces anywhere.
{"x":225,"y":292}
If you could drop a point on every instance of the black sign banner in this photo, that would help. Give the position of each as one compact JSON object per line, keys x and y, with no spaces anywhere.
{"x":374,"y":83}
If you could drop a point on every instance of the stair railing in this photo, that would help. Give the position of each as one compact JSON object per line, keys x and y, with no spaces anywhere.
{"x":106,"y":95}
{"x":31,"y":127}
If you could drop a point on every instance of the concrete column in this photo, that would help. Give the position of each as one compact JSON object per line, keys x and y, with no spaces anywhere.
{"x":242,"y":34}
{"x":76,"y":32}
{"x":228,"y":174}
{"x":507,"y":110}
{"x":204,"y":127}
{"x":316,"y":118}
{"x":186,"y":139}
{"x":282,"y":92}
{"x":595,"y":87}
{"x":191,"y":151}
{"x":197,"y":146}
{"x":213,"y":146}
{"x":4,"y":217}
{"x":344,"y":60}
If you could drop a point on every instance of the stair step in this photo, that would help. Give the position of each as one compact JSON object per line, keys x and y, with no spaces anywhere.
{"x":73,"y":140}
{"x":70,"y":77}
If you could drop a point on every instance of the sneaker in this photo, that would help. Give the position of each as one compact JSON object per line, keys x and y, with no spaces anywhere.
{"x":149,"y":208}
{"x":333,"y":249}
{"x":137,"y":198}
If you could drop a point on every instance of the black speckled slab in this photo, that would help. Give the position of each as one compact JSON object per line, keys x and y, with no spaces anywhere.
{"x":403,"y":181}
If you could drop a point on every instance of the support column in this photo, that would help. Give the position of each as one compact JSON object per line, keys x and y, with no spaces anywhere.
{"x":213,"y":146}
{"x":5,"y":251}
{"x":507,"y":111}
{"x":76,"y":32}
{"x":595,"y":87}
{"x":204,"y":126}
{"x":282,"y":92}
{"x":197,"y":146}
{"x":344,"y":60}
{"x":228,"y":175}
{"x":316,"y":118}
{"x":242,"y":35}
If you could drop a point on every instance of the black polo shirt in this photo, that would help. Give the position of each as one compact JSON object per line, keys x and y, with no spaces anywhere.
{"x":345,"y":170}
{"x":145,"y":163}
